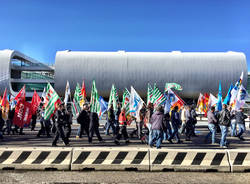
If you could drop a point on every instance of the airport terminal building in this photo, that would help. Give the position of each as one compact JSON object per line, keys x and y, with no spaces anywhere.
{"x":195,"y":71}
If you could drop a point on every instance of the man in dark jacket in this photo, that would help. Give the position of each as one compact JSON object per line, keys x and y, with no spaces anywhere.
{"x":60,"y":116}
{"x":156,"y":122}
{"x":68,"y":122}
{"x":189,"y":123}
{"x":94,"y":127}
{"x":176,"y":123}
{"x":83,"y":120}
{"x":240,"y":119}
{"x":224,"y":122}
{"x":111,"y":121}
{"x":211,"y":125}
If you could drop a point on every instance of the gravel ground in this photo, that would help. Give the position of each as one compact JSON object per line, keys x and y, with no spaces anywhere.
{"x":60,"y":177}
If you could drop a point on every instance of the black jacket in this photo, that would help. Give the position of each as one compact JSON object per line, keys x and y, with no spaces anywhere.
{"x":83,"y":118}
{"x":94,"y":120}
{"x":224,"y":117}
{"x":240,"y":117}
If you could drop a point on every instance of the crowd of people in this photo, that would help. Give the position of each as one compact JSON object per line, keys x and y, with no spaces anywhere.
{"x":153,"y":125}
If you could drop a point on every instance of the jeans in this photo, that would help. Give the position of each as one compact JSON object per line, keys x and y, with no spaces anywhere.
{"x":242,"y":129}
{"x":175,"y":132}
{"x":233,"y":128}
{"x":224,"y":130}
{"x":212,"y":132}
{"x":167,"y":133}
{"x":157,"y":136}
{"x":112,"y":125}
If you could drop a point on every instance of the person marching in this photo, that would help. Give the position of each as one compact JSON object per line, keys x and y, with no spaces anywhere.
{"x":83,"y":120}
{"x":122,"y":128}
{"x":68,"y":123}
{"x":60,"y":116}
{"x":94,"y":127}
{"x":240,"y":119}
{"x":211,"y":125}
{"x":224,"y":122}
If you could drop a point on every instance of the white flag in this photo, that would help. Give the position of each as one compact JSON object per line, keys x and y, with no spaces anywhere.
{"x":67,"y":93}
{"x":235,"y":90}
{"x":135,"y":103}
{"x":241,"y":98}
{"x":212,"y":101}
{"x":44,"y":94}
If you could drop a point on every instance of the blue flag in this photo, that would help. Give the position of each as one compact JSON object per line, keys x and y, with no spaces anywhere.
{"x":219,"y":103}
{"x":104,"y":105}
{"x":228,"y":97}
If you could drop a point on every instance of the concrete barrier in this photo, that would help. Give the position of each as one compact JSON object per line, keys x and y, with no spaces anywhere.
{"x":110,"y":159}
{"x":189,"y":160}
{"x":239,"y":160}
{"x":35,"y":158}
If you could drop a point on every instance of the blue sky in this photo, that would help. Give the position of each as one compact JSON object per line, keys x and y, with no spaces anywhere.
{"x":39,"y":28}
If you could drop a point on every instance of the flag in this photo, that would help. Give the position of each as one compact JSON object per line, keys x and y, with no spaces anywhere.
{"x":44,"y":95}
{"x":103,"y":105}
{"x":173,"y":85}
{"x":212,"y":101}
{"x":51,"y":101}
{"x":76,"y":108}
{"x":94,"y":100}
{"x":5,"y":105}
{"x":113,"y":98}
{"x":21,"y":94}
{"x":200,"y":103}
{"x":83,"y":94}
{"x":125,"y":101}
{"x":241,"y":98}
{"x":67,"y":93}
{"x":149,"y":94}
{"x":35,"y":102}
{"x":219,"y":103}
{"x":158,"y":97}
{"x":175,"y":100}
{"x":234,"y":91}
{"x":167,"y":105}
{"x":135,"y":103}
{"x":205,"y":103}
{"x":228,"y":97}
{"x":23,"y":113}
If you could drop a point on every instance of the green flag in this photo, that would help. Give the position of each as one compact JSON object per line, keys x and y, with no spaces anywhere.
{"x":51,"y":100}
{"x":76,"y":108}
{"x":94,"y":100}
{"x":173,"y":85}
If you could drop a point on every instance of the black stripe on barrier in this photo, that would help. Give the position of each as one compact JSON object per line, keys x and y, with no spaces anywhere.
{"x":24,"y":155}
{"x":179,"y":158}
{"x":240,"y":158}
{"x":42,"y":156}
{"x":4,"y":156}
{"x":198,"y":158}
{"x":217,"y":158}
{"x":82,"y":157}
{"x":120,"y":157}
{"x":160,"y":157}
{"x":139,"y":157}
{"x":101,"y":157}
{"x":60,"y":158}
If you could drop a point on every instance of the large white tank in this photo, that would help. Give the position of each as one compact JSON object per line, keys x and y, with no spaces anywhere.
{"x":195,"y":71}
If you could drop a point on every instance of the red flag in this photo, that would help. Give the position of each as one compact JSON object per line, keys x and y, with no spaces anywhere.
{"x":35,"y":102}
{"x":23,"y":113}
{"x":21,"y":94}
{"x":83,"y":90}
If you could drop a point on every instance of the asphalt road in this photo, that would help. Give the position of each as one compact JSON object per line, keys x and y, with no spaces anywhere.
{"x":60,"y":177}
{"x":30,"y":140}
